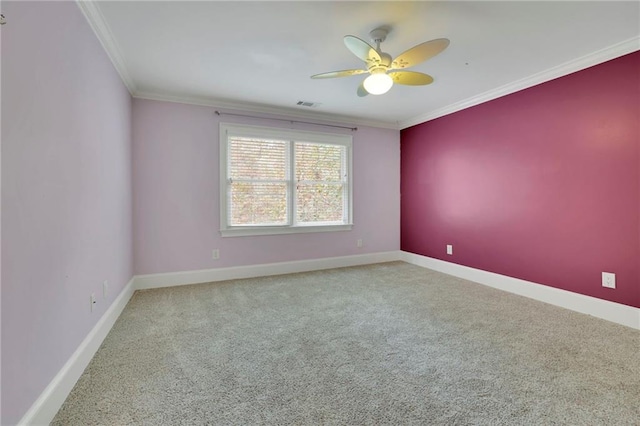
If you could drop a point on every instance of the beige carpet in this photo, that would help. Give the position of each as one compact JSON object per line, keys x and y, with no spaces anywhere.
{"x":390,"y":343}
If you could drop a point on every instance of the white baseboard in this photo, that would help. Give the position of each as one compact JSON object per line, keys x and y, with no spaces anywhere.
{"x":51,"y":399}
{"x":251,"y":271}
{"x":604,"y":309}
{"x":47,"y":405}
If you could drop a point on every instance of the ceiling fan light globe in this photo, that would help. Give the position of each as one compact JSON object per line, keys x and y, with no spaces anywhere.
{"x":378,"y":84}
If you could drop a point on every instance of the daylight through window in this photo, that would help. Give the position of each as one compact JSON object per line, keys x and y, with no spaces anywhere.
{"x":281,"y":181}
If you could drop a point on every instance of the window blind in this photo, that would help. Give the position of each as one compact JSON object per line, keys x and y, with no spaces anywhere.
{"x":258,"y":181}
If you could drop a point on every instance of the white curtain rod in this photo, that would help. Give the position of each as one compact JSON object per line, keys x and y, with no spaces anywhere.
{"x":353,"y":129}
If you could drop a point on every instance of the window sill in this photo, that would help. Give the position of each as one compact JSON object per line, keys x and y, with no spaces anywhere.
{"x":278,"y":230}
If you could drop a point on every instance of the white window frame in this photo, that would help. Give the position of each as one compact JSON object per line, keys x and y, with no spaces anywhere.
{"x":239,"y":130}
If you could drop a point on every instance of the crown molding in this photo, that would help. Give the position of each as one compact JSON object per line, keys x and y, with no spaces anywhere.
{"x":578,"y":64}
{"x":96,"y":20}
{"x":268,"y":109}
{"x":98,"y":24}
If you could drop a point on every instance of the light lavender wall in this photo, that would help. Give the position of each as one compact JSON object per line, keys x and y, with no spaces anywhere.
{"x":66,"y":192}
{"x":176,"y":192}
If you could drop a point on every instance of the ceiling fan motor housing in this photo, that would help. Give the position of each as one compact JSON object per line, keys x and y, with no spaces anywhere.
{"x":385,"y":59}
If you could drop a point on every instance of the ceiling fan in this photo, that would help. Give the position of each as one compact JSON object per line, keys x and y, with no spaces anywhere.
{"x":381,"y":66}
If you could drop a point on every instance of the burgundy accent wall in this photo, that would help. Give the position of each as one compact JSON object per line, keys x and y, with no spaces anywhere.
{"x":541,"y":185}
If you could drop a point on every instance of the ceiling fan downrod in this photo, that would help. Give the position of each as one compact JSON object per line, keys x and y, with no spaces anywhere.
{"x":378,"y":36}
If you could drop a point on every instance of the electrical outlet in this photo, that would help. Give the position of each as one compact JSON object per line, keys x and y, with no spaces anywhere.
{"x":215,"y":254}
{"x":92,"y":298}
{"x":608,"y":280}
{"x":359,"y":243}
{"x":449,"y":249}
{"x":105,"y":288}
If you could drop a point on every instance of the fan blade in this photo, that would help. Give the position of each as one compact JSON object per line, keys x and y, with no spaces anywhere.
{"x":419,"y":53}
{"x":362,"y":92}
{"x":362,"y":50}
{"x":411,"y":78}
{"x":343,"y":73}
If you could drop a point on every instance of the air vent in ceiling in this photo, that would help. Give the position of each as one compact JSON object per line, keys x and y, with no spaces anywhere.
{"x":308,"y":104}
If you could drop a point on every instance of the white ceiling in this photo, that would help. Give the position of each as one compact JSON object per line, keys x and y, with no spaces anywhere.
{"x":259,"y":56}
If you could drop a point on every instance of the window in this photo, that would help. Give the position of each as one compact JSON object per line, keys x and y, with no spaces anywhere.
{"x":278,"y":181}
